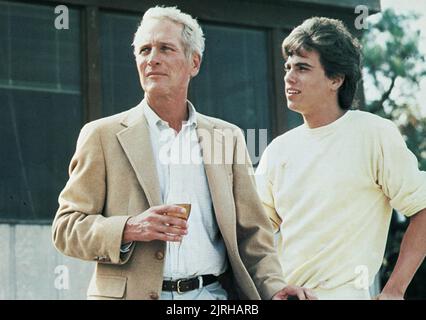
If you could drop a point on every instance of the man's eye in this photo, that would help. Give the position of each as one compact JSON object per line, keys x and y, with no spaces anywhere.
{"x":143,"y":50}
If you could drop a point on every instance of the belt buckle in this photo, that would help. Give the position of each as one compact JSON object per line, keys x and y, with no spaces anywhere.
{"x":178,"y":286}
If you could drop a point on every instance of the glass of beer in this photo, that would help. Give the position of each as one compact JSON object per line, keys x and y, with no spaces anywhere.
{"x":185,"y":216}
{"x":187,"y":207}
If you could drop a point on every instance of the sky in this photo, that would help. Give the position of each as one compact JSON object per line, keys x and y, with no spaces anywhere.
{"x":418,"y":6}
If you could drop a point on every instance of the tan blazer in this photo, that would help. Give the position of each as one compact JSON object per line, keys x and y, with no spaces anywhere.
{"x":113,"y":176}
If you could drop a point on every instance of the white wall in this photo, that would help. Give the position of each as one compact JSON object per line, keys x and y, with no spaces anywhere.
{"x":28,"y":261}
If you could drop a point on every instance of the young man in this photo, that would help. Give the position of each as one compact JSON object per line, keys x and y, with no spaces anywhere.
{"x":330,"y":184}
{"x":119,"y":206}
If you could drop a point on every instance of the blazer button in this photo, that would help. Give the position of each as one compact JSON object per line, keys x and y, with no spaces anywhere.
{"x":159,"y":255}
{"x":153,"y":296}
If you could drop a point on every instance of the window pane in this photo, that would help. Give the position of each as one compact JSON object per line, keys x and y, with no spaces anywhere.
{"x":40,"y":103}
{"x":233,"y":83}
{"x":120,"y":81}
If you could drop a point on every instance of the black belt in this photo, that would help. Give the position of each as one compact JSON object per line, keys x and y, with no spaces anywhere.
{"x":184,"y":285}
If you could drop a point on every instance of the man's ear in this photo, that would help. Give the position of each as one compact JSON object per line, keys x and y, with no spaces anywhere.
{"x":196,"y":63}
{"x":336,"y":82}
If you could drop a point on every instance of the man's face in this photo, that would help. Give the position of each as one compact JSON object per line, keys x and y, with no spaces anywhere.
{"x":307,"y":88}
{"x":160,"y":58}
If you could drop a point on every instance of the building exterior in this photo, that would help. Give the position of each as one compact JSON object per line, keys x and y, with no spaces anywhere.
{"x":53,"y":80}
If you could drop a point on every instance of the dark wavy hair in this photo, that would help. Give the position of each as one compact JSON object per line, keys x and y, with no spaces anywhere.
{"x":339,"y":52}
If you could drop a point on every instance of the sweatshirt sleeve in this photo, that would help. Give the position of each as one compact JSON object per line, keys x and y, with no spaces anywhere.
{"x":398,"y":173}
{"x":264,"y":189}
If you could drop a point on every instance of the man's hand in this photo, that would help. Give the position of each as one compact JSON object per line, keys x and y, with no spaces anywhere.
{"x":299,"y":292}
{"x":156,"y":223}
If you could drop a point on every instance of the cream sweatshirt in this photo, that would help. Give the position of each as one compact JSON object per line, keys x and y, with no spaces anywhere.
{"x":330,"y":192}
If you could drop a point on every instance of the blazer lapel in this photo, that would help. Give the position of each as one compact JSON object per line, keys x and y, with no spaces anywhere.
{"x":218,"y":177}
{"x":136,"y":142}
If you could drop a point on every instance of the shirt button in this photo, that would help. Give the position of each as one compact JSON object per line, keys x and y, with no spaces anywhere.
{"x":159,"y":255}
{"x":153,"y":296}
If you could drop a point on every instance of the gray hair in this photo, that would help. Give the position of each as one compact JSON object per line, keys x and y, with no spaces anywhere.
{"x":192,"y":34}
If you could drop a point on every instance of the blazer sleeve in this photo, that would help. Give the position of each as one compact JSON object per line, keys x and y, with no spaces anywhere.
{"x":254,"y":230}
{"x":79,"y":229}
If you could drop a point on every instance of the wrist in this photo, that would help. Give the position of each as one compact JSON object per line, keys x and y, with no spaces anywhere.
{"x":394,"y":289}
{"x":127,"y":234}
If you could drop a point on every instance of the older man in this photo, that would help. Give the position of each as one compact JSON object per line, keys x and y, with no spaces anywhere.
{"x":128,"y":173}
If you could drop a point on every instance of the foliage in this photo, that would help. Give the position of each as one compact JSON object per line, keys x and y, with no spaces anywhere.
{"x":394,"y":66}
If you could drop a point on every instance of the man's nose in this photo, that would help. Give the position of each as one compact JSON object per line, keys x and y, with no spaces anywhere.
{"x":289,"y":77}
{"x":153,"y":57}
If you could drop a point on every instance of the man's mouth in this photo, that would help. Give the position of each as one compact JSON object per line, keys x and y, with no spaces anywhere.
{"x":149,"y":74}
{"x":293,"y":91}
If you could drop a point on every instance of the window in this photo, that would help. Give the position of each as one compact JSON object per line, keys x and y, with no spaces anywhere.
{"x":41,"y":108}
{"x":120,"y":81}
{"x":233,"y":83}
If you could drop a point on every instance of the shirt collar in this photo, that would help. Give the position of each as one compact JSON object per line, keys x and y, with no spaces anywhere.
{"x":155,"y":121}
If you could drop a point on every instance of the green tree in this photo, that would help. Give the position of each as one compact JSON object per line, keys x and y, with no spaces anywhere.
{"x":393,"y":68}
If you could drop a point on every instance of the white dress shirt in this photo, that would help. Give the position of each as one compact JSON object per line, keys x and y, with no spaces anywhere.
{"x":183,"y":179}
